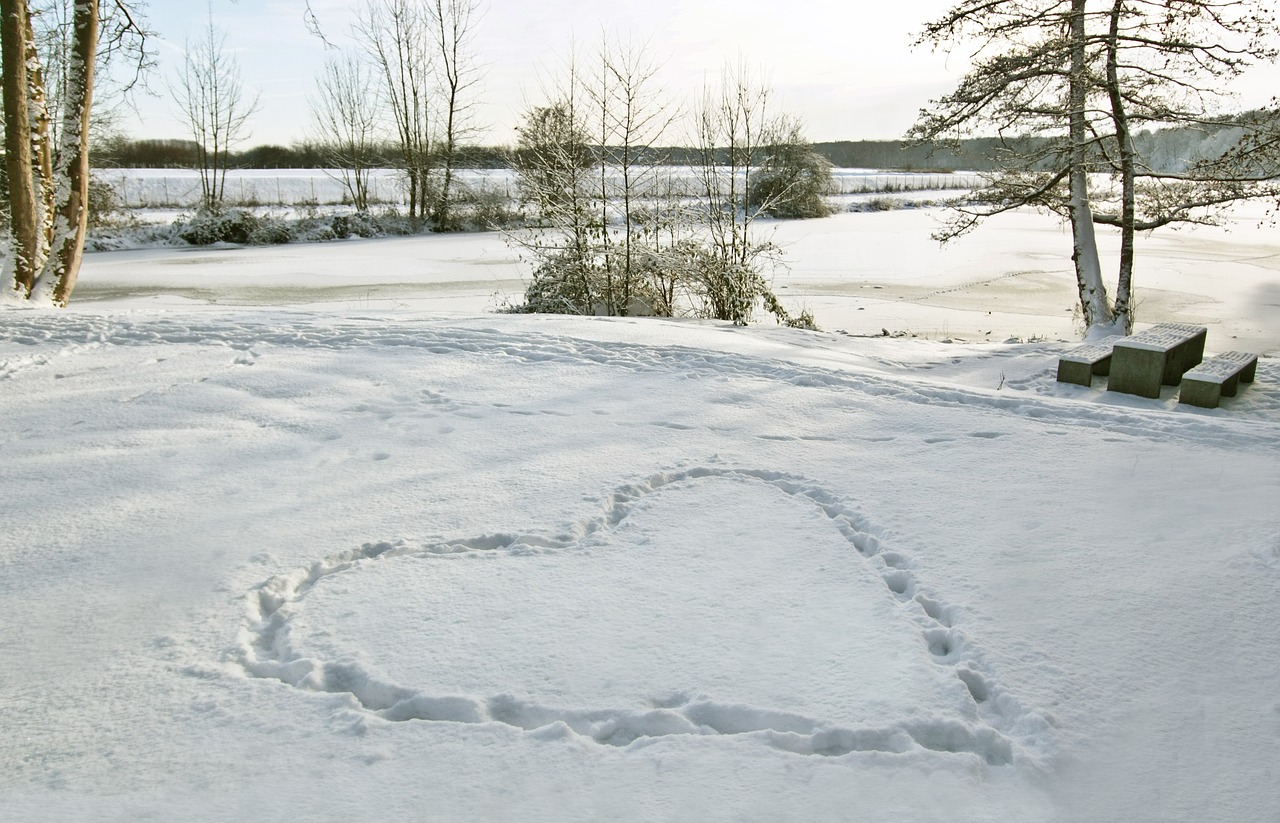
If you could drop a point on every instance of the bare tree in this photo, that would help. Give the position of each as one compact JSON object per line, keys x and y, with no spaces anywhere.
{"x":211,"y":97}
{"x":733,"y":125}
{"x":422,"y":51}
{"x":586,"y":163}
{"x":633,"y":118}
{"x":452,"y":24}
{"x":794,"y":178}
{"x":347,"y":110}
{"x":24,"y":259}
{"x":397,"y":36}
{"x":56,"y":41}
{"x":553,"y":164}
{"x":551,"y":160}
{"x":71,"y":173}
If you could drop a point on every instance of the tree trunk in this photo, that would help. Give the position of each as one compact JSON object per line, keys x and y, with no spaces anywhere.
{"x":1093,"y":292}
{"x":1119,"y":116}
{"x":41,"y":148}
{"x":24,"y":232}
{"x":58,"y":277}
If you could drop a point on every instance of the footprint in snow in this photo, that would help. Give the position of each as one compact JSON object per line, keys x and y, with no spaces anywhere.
{"x":704,"y":602}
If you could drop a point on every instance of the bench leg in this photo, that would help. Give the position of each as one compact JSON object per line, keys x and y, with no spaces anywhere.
{"x":1182,"y":358}
{"x":1194,"y":355}
{"x":1136,"y":371}
{"x":1079,"y":373}
{"x":1246,"y":374}
{"x":1199,"y":393}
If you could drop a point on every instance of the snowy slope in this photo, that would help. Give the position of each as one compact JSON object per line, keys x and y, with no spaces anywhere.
{"x":336,"y":565}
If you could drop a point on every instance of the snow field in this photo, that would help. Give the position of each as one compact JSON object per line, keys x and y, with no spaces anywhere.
{"x":307,"y":564}
{"x":355,"y":548}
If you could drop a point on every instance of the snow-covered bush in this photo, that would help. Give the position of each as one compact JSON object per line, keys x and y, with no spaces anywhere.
{"x":486,"y":208}
{"x":360,"y":223}
{"x":794,"y":179}
{"x":104,"y":203}
{"x":238,"y":226}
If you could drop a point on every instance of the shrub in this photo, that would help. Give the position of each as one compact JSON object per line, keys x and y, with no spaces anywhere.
{"x":362,"y":225}
{"x":392,"y":222}
{"x":359,"y":224}
{"x":487,"y":208}
{"x":561,"y":284}
{"x":103,"y":203}
{"x":793,"y":180}
{"x":233,"y":226}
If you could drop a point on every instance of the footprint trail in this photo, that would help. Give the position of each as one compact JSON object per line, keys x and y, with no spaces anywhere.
{"x":996,"y":728}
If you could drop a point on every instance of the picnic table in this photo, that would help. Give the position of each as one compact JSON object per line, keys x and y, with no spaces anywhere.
{"x":1142,"y":363}
{"x":1167,"y":354}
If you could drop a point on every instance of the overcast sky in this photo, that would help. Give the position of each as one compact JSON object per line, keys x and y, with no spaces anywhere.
{"x":846,"y":67}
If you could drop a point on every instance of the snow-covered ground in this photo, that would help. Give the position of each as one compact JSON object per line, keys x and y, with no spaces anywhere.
{"x":304,"y":533}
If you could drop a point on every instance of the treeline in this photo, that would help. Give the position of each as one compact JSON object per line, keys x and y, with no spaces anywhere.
{"x":125,"y":153}
{"x":875,"y":154}
{"x":1167,"y":150}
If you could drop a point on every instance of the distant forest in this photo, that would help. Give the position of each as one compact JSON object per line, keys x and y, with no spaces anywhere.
{"x":1169,"y":150}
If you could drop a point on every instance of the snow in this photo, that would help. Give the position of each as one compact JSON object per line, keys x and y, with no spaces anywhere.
{"x":352,"y":547}
{"x":160,"y":188}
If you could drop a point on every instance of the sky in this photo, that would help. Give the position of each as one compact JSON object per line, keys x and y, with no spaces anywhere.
{"x":847,"y":70}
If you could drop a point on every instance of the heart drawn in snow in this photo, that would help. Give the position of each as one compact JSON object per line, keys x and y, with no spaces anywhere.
{"x":706,"y":601}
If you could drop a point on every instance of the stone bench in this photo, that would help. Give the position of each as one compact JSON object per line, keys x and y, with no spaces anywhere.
{"x":1080,"y":365}
{"x":1216,"y":378}
{"x":1141,"y":363}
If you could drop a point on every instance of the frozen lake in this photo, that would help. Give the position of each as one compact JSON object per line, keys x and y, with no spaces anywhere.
{"x":861,"y":272}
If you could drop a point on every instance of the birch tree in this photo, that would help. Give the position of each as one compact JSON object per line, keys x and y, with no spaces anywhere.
{"x":26,"y":249}
{"x":452,"y":24}
{"x":1065,"y":84}
{"x":586,"y":163}
{"x":47,"y":180}
{"x":734,"y":126}
{"x":212,"y":99}
{"x":1171,"y":64}
{"x":1029,"y":84}
{"x":347,"y":111}
{"x":397,"y":36}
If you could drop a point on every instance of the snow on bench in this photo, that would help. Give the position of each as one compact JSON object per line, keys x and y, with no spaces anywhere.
{"x":1216,"y":377}
{"x":1143,"y":362}
{"x":1080,"y":365}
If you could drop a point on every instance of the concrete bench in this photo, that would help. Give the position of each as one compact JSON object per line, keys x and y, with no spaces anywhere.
{"x":1080,"y":365}
{"x":1141,"y":363}
{"x":1216,"y":378}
